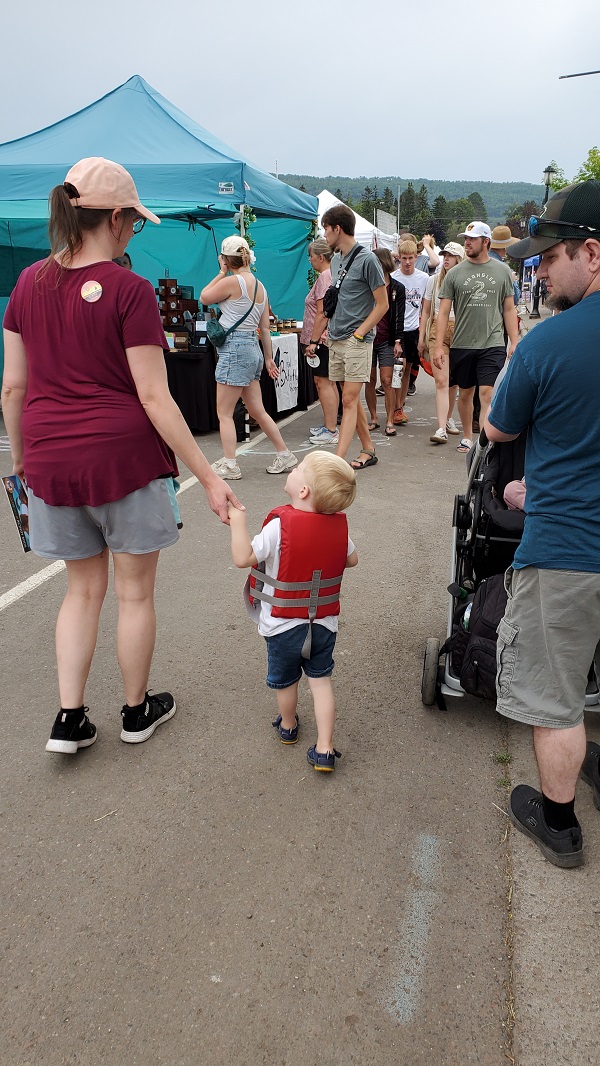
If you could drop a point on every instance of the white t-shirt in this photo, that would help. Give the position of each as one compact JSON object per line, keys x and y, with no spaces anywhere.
{"x":435,"y":281}
{"x":266,"y":546}
{"x":415,"y":285}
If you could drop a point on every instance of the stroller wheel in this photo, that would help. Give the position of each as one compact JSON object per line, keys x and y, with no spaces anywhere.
{"x":430,"y":671}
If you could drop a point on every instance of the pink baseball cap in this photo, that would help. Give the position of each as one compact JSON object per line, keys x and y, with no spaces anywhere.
{"x":104,"y":185}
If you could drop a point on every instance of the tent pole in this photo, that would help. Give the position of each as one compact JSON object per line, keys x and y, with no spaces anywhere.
{"x":242,"y":226}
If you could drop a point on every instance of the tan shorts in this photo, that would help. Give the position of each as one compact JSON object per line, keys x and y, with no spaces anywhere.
{"x":350,"y":360}
{"x":447,"y":339}
{"x":546,"y":643}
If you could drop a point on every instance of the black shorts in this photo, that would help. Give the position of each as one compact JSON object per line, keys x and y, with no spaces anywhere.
{"x":322,"y":370}
{"x":410,"y":346}
{"x":476,"y":366}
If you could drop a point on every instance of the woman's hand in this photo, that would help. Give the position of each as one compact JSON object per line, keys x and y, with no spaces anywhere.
{"x":271,"y":369}
{"x":397,"y":349}
{"x":223,"y":265}
{"x":221,"y":497}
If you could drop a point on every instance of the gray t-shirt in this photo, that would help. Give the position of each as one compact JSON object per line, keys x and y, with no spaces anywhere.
{"x":355,"y":300}
{"x":478,"y":292}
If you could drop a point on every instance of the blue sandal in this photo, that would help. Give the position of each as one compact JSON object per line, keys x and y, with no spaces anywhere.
{"x":322,"y":760}
{"x":286,"y":736}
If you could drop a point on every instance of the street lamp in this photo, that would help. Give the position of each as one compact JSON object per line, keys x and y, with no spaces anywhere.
{"x":549,"y":171}
{"x":535,"y":310}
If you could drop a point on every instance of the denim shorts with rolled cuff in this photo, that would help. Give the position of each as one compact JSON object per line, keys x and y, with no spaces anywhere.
{"x":240,"y":359}
{"x":139,"y":523}
{"x":546,"y":642}
{"x":285,"y":662}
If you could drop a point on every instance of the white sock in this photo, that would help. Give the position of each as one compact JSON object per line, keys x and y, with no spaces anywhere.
{"x":230,"y":463}
{"x":285,"y":452}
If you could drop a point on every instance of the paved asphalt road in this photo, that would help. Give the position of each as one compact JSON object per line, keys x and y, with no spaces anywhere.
{"x":206,"y":899}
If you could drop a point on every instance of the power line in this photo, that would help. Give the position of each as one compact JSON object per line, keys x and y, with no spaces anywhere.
{"x":583,"y":74}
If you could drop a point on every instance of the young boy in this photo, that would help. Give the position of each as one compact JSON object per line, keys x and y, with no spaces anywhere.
{"x":298,"y":544}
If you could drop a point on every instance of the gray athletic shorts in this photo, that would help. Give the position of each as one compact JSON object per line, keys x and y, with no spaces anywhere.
{"x":546,"y":643}
{"x":141,"y":522}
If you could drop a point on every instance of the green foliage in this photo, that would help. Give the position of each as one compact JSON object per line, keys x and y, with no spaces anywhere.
{"x":590,"y":168}
{"x":479,"y":208}
{"x":497,"y":196}
{"x":558,"y":178}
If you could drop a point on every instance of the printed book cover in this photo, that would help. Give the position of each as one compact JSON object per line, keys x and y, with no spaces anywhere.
{"x":16,"y":490}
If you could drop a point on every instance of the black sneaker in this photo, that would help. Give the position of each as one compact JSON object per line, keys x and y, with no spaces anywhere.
{"x":412,"y":388}
{"x":322,"y":760}
{"x":564,"y":848}
{"x":590,"y":771}
{"x":140,"y":725}
{"x":71,"y":731}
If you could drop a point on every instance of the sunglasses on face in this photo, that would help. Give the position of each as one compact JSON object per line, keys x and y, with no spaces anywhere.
{"x":537,"y":225}
{"x":138,"y":224}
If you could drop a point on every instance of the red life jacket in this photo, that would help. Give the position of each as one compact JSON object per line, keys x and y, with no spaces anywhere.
{"x":314,"y":550}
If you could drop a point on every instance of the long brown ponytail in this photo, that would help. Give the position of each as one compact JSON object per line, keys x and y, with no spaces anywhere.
{"x":68,"y":224}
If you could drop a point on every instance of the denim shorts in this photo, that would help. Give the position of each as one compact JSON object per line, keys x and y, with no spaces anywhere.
{"x":285,"y":662}
{"x":139,"y":523}
{"x":240,"y":359}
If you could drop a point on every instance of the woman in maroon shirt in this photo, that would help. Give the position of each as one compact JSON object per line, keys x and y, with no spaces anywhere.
{"x":93,"y":428}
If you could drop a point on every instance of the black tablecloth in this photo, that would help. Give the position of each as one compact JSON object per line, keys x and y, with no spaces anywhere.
{"x":192,"y":385}
{"x":307,"y":390}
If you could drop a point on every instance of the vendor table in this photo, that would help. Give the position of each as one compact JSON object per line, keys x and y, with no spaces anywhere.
{"x":191,"y":378}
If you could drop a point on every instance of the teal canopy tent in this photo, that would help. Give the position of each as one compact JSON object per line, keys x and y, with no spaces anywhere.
{"x":189,"y":178}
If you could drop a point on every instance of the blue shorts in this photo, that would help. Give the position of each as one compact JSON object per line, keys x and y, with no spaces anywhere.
{"x":285,"y":662}
{"x":240,"y":359}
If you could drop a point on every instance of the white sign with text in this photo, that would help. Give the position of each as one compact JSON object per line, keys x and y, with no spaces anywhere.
{"x":285,"y":354}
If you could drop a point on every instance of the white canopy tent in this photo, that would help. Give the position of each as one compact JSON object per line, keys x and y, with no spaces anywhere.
{"x":365,"y":233}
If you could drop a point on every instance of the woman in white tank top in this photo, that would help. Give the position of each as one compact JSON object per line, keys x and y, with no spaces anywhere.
{"x":240,"y":358}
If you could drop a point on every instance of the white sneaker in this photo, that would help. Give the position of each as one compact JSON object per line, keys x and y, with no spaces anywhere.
{"x":313,"y":430}
{"x":325,"y":436}
{"x":228,"y":473}
{"x":451,"y":427}
{"x":439,"y":437}
{"x":281,"y":463}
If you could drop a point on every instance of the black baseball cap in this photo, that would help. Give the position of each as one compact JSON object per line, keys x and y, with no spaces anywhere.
{"x":573,"y":213}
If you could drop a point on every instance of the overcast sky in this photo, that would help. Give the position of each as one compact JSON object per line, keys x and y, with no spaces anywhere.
{"x":435,"y":89}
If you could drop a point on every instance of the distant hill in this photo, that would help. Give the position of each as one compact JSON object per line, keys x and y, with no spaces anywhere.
{"x":498,"y":197}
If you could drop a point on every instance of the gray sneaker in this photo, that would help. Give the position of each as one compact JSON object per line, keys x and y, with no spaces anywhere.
{"x":282,"y":463}
{"x":228,"y":473}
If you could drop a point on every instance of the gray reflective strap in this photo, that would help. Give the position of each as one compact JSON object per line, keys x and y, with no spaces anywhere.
{"x":305,"y":601}
{"x":313,"y":599}
{"x":297,"y":586}
{"x":307,"y":646}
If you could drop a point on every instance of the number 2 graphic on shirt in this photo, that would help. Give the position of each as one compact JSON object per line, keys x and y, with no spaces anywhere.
{"x":478,"y":291}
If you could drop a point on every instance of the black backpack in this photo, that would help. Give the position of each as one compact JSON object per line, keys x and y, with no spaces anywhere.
{"x":473,"y":650}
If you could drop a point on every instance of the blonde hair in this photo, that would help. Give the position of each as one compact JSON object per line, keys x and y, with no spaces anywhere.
{"x":407,"y":248}
{"x":237,"y":261}
{"x":332,"y":482}
{"x":321,"y":247}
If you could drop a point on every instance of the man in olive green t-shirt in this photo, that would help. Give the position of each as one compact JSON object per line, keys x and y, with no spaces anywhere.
{"x":481,"y":291}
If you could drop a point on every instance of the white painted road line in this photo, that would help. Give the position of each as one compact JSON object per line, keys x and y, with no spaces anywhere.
{"x":410,"y":964}
{"x":30,"y":584}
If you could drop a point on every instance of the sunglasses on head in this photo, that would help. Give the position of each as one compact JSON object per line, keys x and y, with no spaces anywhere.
{"x":536,"y":226}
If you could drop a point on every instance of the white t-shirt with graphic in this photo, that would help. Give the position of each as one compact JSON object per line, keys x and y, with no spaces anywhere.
{"x":415,"y":285}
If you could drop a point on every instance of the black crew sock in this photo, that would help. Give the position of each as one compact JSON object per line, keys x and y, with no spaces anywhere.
{"x":72,"y":710}
{"x":139,"y":707}
{"x":559,"y":816}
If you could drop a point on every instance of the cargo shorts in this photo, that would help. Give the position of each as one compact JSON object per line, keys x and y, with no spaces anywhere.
{"x":547,"y":640}
{"x":350,"y":360}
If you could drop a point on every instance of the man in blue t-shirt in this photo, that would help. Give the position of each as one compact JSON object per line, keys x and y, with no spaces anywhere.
{"x":548,"y":636}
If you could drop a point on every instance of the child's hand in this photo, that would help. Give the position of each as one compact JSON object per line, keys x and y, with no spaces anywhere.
{"x":235,"y":514}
